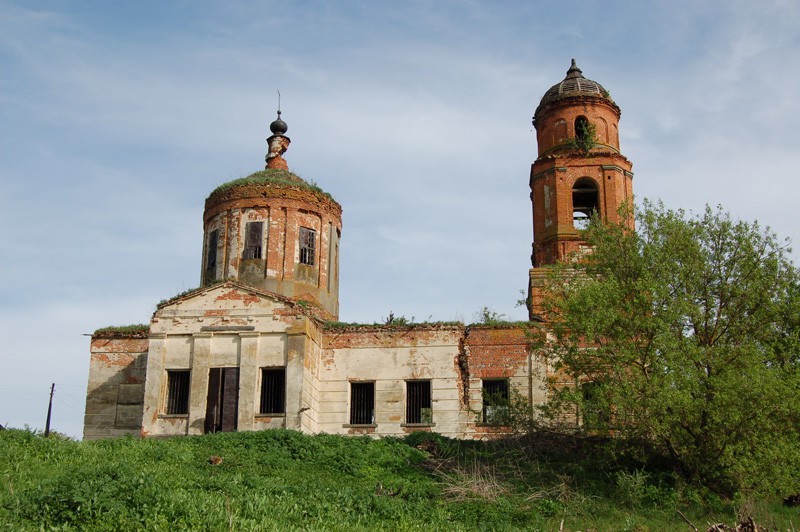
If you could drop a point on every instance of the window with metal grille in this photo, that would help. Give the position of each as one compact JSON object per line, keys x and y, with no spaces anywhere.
{"x":308,"y":239}
{"x":495,"y":401}
{"x":273,"y":391}
{"x":418,"y":402}
{"x":253,"y":233}
{"x":178,"y":392}
{"x":211,"y":255}
{"x":362,"y":403}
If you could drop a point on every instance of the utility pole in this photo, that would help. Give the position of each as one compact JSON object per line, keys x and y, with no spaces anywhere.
{"x":49,"y":411}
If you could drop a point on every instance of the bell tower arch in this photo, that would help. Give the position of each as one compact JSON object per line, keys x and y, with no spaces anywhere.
{"x":579,"y":171}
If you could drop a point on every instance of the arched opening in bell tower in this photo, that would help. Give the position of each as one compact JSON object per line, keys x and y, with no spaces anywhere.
{"x":585,"y":201}
{"x":581,"y":128}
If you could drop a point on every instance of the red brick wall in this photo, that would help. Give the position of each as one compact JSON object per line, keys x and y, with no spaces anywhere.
{"x":497,"y":352}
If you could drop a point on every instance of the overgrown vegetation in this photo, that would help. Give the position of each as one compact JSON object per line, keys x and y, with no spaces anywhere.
{"x":489,"y":316}
{"x":390,"y":321}
{"x":272,"y":176}
{"x":281,"y":479}
{"x":585,"y":137}
{"x":138,"y":328}
{"x":683,"y":339}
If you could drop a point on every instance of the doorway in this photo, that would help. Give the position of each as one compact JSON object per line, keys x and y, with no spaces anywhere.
{"x":222,"y":404}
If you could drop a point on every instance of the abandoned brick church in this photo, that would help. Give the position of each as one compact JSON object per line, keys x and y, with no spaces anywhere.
{"x":257,"y":346}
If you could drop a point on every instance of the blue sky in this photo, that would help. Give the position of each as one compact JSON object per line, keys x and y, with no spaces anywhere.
{"x":119,"y":118}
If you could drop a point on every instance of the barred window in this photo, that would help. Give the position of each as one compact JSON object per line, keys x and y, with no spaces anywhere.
{"x":362,"y":403}
{"x":178,"y":392}
{"x":308,"y":239}
{"x":418,"y":402}
{"x":253,"y":235}
{"x":273,"y":391}
{"x":495,"y":401}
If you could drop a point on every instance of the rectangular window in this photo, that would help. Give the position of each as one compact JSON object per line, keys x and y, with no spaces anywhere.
{"x":596,"y":412}
{"x":253,"y":234}
{"x":362,"y":403}
{"x":273,"y":391}
{"x":178,"y":392}
{"x":211,"y":255}
{"x":308,"y":239}
{"x":418,"y":402}
{"x":495,"y":401}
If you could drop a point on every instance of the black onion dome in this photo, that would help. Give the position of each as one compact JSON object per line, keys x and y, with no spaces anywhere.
{"x":278,"y":127}
{"x":573,"y":85}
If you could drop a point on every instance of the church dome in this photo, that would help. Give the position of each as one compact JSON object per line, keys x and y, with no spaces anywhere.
{"x":573,"y":85}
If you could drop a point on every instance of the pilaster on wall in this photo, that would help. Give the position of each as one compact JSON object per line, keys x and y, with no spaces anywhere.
{"x":248,"y":380}
{"x":153,"y":383}
{"x":201,"y":355}
{"x":537,"y":279}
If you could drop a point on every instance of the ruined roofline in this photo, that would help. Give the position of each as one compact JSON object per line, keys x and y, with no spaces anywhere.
{"x":137,"y":331}
{"x":330,"y":326}
{"x":337,"y":326}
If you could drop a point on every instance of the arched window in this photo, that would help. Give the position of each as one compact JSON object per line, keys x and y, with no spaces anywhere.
{"x":585,"y":201}
{"x":581,"y":127}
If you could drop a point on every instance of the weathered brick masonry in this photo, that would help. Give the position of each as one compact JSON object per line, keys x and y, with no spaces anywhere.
{"x":256,"y":346}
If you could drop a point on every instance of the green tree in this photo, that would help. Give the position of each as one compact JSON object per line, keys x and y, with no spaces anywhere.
{"x":682,"y":338}
{"x":489,"y":316}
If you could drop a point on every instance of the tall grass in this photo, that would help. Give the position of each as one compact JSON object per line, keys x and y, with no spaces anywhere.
{"x":285,"y":480}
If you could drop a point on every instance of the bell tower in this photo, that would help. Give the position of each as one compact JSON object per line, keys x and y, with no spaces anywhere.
{"x":579,"y":171}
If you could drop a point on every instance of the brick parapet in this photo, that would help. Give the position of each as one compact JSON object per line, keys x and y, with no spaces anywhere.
{"x":498,"y":352}
{"x":391,"y":336}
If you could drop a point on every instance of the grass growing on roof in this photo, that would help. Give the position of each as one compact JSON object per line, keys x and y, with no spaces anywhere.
{"x":124,"y":329}
{"x":272,"y":176}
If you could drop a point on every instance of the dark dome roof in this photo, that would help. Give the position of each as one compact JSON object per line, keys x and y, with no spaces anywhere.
{"x":278,"y":127}
{"x":573,"y":85}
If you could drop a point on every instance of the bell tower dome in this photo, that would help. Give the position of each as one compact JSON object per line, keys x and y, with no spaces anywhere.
{"x":275,"y":231}
{"x":579,"y":171}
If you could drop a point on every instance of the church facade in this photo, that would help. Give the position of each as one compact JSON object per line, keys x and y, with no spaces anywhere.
{"x":258,"y":345}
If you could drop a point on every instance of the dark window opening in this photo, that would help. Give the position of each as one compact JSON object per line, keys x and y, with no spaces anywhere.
{"x":253,"y":234}
{"x":585,"y":202}
{"x":211,"y":255}
{"x":307,"y":245}
{"x":273,"y":391}
{"x":178,"y":392}
{"x":595,"y":413}
{"x":581,"y":127}
{"x":362,"y":403}
{"x":418,"y":402}
{"x":495,"y":401}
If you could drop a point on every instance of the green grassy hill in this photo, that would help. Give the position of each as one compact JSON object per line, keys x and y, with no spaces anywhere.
{"x":284,"y":480}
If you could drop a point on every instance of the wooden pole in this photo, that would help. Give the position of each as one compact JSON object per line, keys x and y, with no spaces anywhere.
{"x":49,"y":411}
